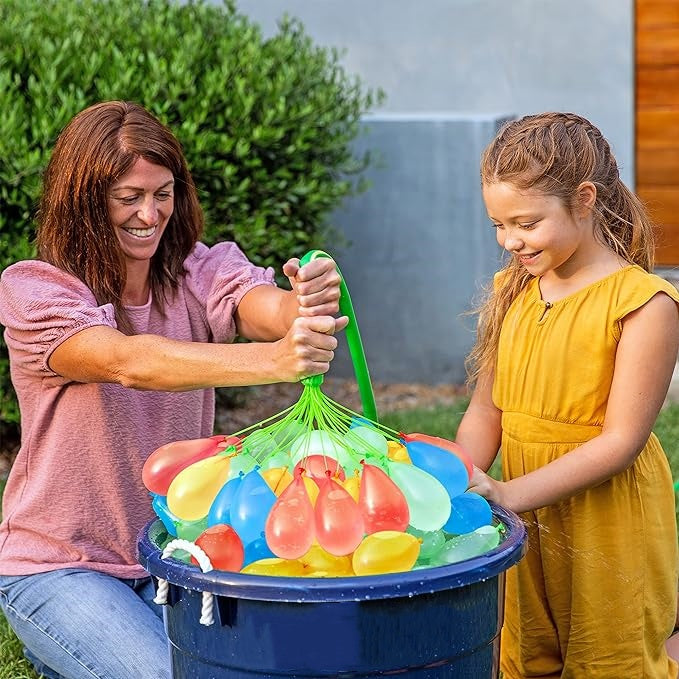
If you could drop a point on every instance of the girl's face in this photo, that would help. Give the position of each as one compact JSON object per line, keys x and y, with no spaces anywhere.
{"x":538,"y":229}
{"x":140,"y":205}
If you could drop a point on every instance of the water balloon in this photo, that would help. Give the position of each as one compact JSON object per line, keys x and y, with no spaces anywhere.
{"x":385,"y":552}
{"x":193,"y":490}
{"x":382,"y":503}
{"x":223,"y":546}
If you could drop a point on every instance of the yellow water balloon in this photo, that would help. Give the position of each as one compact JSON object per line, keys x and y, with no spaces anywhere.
{"x":352,"y":485}
{"x":326,"y":574}
{"x":318,"y":560}
{"x":386,"y":551}
{"x":275,"y":566}
{"x":278,"y":478}
{"x":192,"y":491}
{"x":398,"y":452}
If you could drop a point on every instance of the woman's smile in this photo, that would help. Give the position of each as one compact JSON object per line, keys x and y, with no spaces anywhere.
{"x":141,"y":234}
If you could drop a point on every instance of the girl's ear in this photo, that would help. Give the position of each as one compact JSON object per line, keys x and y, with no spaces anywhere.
{"x":585,"y":197}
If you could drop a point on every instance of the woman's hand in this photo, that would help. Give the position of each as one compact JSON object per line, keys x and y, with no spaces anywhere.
{"x":316,"y":284}
{"x":488,"y":487}
{"x":308,"y":347}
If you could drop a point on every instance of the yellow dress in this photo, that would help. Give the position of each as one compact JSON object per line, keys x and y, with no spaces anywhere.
{"x":595,"y":596}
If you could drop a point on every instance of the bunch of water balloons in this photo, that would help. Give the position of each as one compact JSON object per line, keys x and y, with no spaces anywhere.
{"x":320,"y":491}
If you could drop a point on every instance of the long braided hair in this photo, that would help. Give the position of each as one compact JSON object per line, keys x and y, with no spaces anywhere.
{"x":554,"y":153}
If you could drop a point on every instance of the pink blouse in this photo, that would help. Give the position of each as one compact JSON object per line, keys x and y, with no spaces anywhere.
{"x":74,"y":496}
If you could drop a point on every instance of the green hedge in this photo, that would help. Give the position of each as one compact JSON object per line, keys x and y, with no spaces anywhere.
{"x":266,"y":124}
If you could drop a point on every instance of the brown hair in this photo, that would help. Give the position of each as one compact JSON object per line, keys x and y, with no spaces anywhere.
{"x":94,"y":150}
{"x":555,"y":153}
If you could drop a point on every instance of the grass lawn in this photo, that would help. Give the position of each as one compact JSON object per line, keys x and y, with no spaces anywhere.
{"x":441,"y":421}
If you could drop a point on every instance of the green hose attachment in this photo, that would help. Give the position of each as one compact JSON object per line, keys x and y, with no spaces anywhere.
{"x":353,"y":340}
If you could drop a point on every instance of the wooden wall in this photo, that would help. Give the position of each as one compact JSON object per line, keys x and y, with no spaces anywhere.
{"x":657,"y":119}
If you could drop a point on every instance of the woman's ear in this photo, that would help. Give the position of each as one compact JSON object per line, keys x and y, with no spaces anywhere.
{"x":585,"y":197}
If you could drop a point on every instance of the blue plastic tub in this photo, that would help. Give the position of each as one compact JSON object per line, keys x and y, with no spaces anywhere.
{"x":422,"y":624}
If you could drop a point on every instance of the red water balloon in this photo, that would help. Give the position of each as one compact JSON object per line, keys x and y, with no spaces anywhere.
{"x":382,"y":504}
{"x":339,"y":523}
{"x":289,"y":529}
{"x":223,"y":546}
{"x":164,"y":463}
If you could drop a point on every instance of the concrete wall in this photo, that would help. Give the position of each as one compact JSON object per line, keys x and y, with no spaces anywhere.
{"x":419,"y":245}
{"x":483,"y":56}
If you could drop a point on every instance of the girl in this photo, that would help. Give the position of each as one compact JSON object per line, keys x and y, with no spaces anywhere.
{"x":576,"y":347}
{"x":117,"y":336}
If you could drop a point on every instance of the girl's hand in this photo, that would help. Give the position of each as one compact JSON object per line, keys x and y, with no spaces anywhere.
{"x":316,"y":284}
{"x":488,"y":487}
{"x":307,"y":348}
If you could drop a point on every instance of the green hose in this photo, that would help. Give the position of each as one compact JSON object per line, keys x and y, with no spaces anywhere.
{"x":353,"y":336}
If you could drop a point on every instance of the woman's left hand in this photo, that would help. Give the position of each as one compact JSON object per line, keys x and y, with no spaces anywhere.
{"x":316,"y":284}
{"x":488,"y":487}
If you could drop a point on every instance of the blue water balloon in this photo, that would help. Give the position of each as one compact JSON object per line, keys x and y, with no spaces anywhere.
{"x":468,"y":512}
{"x":250,"y":507}
{"x":256,"y":550}
{"x":159,"y":504}
{"x":441,"y":464}
{"x":220,"y":509}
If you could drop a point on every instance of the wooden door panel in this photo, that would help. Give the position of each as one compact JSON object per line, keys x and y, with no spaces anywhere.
{"x":657,"y":119}
{"x":657,"y":129}
{"x":657,"y":13}
{"x":658,"y":166}
{"x":663,"y":203}
{"x":658,"y":47}
{"x":658,"y":87}
{"x":667,"y":249}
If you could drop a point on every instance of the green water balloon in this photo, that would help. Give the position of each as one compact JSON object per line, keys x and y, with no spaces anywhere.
{"x":428,"y":500}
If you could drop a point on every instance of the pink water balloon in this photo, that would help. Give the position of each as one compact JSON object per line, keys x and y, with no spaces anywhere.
{"x":339,"y":523}
{"x":382,"y":504}
{"x":289,"y":528}
{"x":317,"y":466}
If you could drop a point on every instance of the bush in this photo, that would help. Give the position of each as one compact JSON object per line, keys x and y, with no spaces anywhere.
{"x":266,"y":124}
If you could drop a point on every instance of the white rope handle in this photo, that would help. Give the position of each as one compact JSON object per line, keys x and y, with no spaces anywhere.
{"x":206,"y":617}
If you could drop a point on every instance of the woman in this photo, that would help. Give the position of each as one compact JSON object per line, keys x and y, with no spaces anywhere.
{"x":117,"y":335}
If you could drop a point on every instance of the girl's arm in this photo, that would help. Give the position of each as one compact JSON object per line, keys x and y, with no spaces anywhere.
{"x":645,"y":360}
{"x":480,"y":430}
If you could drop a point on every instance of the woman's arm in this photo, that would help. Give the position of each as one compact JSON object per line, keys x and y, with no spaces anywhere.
{"x":645,"y":360}
{"x":294,"y":332}
{"x":480,"y":430}
{"x":265,"y":313}
{"x":152,"y":362}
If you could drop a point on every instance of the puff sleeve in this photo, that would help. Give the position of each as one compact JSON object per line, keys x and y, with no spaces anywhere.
{"x":218,"y":278}
{"x":41,"y":306}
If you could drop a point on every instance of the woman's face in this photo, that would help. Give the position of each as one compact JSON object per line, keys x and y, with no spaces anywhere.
{"x":140,"y":205}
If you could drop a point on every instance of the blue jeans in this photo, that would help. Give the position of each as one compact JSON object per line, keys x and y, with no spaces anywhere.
{"x":80,"y":624}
